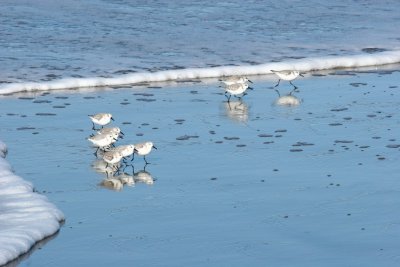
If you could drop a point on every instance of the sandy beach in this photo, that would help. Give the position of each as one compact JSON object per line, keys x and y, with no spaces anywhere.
{"x":245,"y":183}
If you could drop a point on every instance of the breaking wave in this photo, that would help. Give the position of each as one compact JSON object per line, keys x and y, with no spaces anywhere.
{"x":302,"y":65}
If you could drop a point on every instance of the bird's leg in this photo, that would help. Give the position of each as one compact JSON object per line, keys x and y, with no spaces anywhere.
{"x":118,"y":169}
{"x":97,"y":150}
{"x":295,"y":87}
{"x":279,"y":94}
{"x":278,"y":83}
{"x":144,"y":157}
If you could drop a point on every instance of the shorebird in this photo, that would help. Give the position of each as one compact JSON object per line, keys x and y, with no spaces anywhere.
{"x":102,"y":141}
{"x":101,"y":119}
{"x":143,"y":149}
{"x":287,"y":75}
{"x":234,"y":79}
{"x":111,"y":130}
{"x":125,"y":150}
{"x":112,"y":158}
{"x":236,"y":89}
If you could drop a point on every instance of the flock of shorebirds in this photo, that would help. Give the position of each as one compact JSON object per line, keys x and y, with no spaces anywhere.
{"x":117,"y":158}
{"x":237,"y":86}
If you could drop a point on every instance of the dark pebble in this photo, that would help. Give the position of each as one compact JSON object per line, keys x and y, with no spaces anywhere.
{"x":231,"y":138}
{"x":343,"y":141}
{"x":339,"y":109}
{"x":45,"y":114}
{"x":41,"y":101}
{"x":393,"y":146}
{"x":144,"y":94}
{"x":265,"y":135}
{"x":146,"y":99}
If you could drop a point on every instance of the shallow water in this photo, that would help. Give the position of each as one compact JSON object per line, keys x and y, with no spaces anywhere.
{"x":251,"y":183}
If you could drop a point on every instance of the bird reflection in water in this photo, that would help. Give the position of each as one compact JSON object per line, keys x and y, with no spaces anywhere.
{"x":118,"y":182}
{"x":101,"y":166}
{"x":143,"y":176}
{"x":288,"y":100}
{"x":237,"y":111}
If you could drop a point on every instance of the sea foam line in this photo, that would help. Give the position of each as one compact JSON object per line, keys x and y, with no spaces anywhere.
{"x":302,"y":65}
{"x":25,"y":216}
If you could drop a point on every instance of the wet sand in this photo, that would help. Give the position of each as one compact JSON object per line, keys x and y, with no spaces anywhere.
{"x":242,"y":183}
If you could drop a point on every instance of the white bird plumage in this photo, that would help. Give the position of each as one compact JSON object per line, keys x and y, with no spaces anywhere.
{"x":236,"y":89}
{"x":234,"y":79}
{"x":111,"y":130}
{"x":143,"y":149}
{"x":102,"y":140}
{"x":286,"y":75}
{"x":101,"y":119}
{"x":125,"y":150}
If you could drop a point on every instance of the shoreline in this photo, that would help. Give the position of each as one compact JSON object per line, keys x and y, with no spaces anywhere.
{"x":302,"y":65}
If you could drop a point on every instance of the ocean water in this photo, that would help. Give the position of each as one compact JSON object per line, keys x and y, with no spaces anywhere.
{"x":50,"y":40}
{"x":57,"y":45}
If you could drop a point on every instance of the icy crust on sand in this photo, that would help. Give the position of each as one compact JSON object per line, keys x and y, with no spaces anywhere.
{"x":302,"y":65}
{"x":25,"y":217}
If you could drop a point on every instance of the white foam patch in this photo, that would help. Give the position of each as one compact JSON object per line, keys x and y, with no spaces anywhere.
{"x":302,"y":65}
{"x":25,"y":217}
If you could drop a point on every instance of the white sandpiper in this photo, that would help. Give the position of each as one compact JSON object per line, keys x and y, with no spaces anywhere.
{"x":237,"y":89}
{"x":143,"y":149}
{"x":125,"y":150}
{"x":287,"y":75}
{"x":112,"y":158}
{"x":101,"y":119}
{"x":111,"y":130}
{"x":102,"y":141}
{"x":234,"y":79}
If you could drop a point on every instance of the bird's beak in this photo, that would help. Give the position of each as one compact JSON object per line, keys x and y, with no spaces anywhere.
{"x":301,"y":75}
{"x":135,"y":150}
{"x":250,"y":88}
{"x":112,"y":118}
{"x":122,"y":133}
{"x":154,"y":147}
{"x":249,"y":81}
